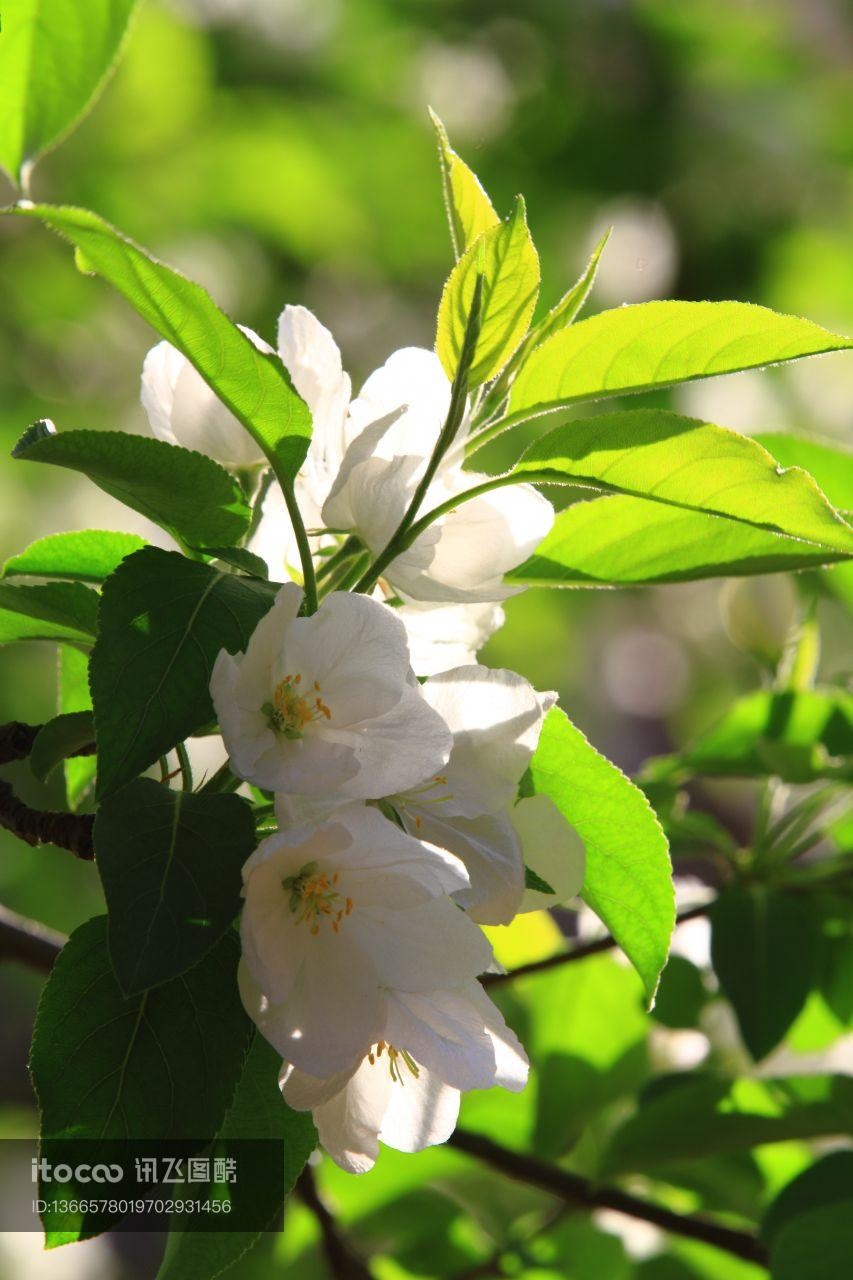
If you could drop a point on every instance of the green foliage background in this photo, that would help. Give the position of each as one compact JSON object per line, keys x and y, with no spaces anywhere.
{"x":280,"y":151}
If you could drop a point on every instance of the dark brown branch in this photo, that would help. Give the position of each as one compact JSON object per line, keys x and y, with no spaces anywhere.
{"x":28,"y":942}
{"x":17,"y":738}
{"x":72,"y":831}
{"x":581,"y":952}
{"x":344,"y":1262}
{"x":575,"y":1190}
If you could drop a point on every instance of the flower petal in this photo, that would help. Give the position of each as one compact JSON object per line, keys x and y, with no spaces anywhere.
{"x":491,"y":851}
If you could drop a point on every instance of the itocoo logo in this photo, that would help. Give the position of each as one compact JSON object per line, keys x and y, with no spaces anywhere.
{"x":48,"y":1172}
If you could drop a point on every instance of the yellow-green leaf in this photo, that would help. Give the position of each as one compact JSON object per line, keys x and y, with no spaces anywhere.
{"x":469,"y":210}
{"x":509,"y":265}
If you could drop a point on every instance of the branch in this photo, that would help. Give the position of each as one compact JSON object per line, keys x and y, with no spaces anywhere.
{"x":72,"y":831}
{"x":344,"y":1262}
{"x":579,"y":1191}
{"x":581,"y":952}
{"x":28,"y":942}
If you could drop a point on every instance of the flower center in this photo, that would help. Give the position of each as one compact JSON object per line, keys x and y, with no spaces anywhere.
{"x":292,"y":708}
{"x":397,"y":1058}
{"x":314,"y":897}
{"x":423,"y":796}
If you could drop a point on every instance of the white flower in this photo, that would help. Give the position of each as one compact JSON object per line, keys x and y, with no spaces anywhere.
{"x":395,"y":422}
{"x":552,"y":848}
{"x":182,"y":409}
{"x":443,"y":636}
{"x":327,"y":704}
{"x":336,"y":919}
{"x":405,"y":1091}
{"x":495,"y":718}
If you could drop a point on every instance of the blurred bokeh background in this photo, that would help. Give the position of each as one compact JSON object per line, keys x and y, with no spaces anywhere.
{"x":280,"y":151}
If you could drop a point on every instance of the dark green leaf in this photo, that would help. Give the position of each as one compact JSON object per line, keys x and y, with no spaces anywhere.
{"x":764,"y":951}
{"x":253,"y":385}
{"x":622,"y":541}
{"x":170,"y":863}
{"x":54,"y":58}
{"x":65,"y":611}
{"x":161,"y":1065}
{"x":240,"y":558}
{"x":534,"y":881}
{"x":677,"y":461}
{"x":190,"y":495}
{"x":656,"y":344}
{"x":681,"y":995}
{"x":830,"y":1181}
{"x":816,"y":1245}
{"x":60,"y":738}
{"x":89,"y":555}
{"x":628,"y":879}
{"x":702,"y":1116}
{"x":258,"y":1111}
{"x":799,"y":737}
{"x":163,"y":621}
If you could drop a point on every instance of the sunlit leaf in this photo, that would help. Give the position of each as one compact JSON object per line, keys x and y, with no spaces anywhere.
{"x":54,"y":57}
{"x":679,"y":461}
{"x":624,"y":541}
{"x":628,"y":877}
{"x":509,"y":265}
{"x":830,"y":464}
{"x":469,"y":209}
{"x":65,"y":611}
{"x":89,"y":555}
{"x":656,"y":344}
{"x":253,"y":385}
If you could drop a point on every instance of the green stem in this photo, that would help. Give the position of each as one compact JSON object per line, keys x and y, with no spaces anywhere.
{"x":186,"y":767}
{"x":258,"y":506}
{"x":346,"y":551}
{"x":455,"y":416}
{"x":309,"y":580}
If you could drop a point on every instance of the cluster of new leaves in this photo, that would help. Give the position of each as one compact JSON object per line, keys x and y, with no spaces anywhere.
{"x":159,"y":1045}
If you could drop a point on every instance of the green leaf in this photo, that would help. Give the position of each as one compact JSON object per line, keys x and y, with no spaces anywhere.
{"x":60,"y":738}
{"x":628,"y":880}
{"x":65,"y":611}
{"x":655,"y":454}
{"x":534,"y":881}
{"x":161,"y":1065}
{"x":816,"y":1245}
{"x":623,"y":541}
{"x":698,"y":1116}
{"x":163,"y":620}
{"x":681,"y":995}
{"x":830,"y":464}
{"x":565,"y":311}
{"x":258,"y":1111}
{"x":190,"y":495}
{"x":89,"y":555}
{"x":170,"y":864}
{"x":54,"y":57}
{"x":73,"y":695}
{"x":764,"y":952}
{"x":830,"y":1181}
{"x":240,"y":558}
{"x":469,"y":209}
{"x":508,"y":262}
{"x":798,"y":737}
{"x":255,"y":386}
{"x":656,"y":344}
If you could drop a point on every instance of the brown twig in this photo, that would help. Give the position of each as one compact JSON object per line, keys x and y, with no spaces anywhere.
{"x":575,"y":1190}
{"x":28,"y":942}
{"x":581,"y":952}
{"x":71,"y":831}
{"x":344,"y":1262}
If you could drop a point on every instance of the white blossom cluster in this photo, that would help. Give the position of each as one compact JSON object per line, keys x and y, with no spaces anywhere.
{"x":394,"y":757}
